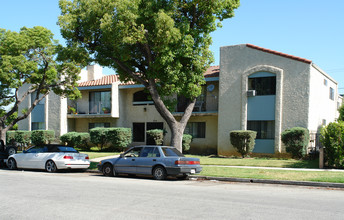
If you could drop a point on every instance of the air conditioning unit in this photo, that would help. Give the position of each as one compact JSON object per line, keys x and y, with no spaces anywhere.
{"x":251,"y":93}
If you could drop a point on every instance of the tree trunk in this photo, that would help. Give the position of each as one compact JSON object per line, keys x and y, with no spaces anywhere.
{"x":177,"y":136}
{"x":3,"y":134}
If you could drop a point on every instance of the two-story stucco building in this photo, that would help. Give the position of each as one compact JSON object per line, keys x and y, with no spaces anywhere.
{"x":253,"y":88}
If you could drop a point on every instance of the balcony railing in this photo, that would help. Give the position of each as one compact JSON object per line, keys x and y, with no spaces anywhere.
{"x":94,"y":108}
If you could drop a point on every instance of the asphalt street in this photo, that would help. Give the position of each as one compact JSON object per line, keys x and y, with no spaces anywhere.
{"x":41,"y":195}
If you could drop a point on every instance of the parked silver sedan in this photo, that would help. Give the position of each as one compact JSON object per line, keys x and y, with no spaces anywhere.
{"x":159,"y":161}
{"x":50,"y":158}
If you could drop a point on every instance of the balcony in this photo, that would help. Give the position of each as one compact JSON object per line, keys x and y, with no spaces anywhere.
{"x":93,"y":110}
{"x":203,"y":106}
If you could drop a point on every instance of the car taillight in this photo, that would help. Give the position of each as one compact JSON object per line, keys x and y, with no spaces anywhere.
{"x":67,"y":157}
{"x":185,"y":162}
{"x":87,"y":158}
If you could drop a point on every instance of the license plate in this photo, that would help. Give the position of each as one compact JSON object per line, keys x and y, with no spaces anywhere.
{"x":193,"y":171}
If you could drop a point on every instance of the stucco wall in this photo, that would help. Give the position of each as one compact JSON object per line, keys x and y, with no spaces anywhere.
{"x":292,"y":75}
{"x":321,"y":106}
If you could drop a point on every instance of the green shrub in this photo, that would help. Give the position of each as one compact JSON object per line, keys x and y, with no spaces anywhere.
{"x":157,"y":135}
{"x":98,"y":136}
{"x":296,"y":141}
{"x":76,"y":139}
{"x":243,"y":141}
{"x":23,"y":138}
{"x":120,"y":138}
{"x":39,"y":137}
{"x":187,"y":139}
{"x":10,"y":137}
{"x":332,"y":138}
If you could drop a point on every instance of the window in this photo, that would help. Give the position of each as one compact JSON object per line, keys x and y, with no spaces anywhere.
{"x":195,"y":129}
{"x":325,"y":82}
{"x":264,"y":129}
{"x":138,"y":132}
{"x":171,"y":152}
{"x":331,"y":93}
{"x":135,"y":152}
{"x":142,"y":98}
{"x":98,"y":125}
{"x":37,"y":126}
{"x":150,"y":152}
{"x":100,"y":102}
{"x":263,"y":85}
{"x":324,"y":122}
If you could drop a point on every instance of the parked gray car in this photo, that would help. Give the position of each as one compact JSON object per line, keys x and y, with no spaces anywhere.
{"x":159,"y":161}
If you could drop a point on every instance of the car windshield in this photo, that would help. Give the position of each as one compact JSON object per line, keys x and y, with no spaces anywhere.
{"x":67,"y":149}
{"x":171,"y":152}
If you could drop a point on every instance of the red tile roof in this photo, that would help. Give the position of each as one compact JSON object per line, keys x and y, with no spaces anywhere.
{"x":279,"y":53}
{"x":212,"y":71}
{"x":105,"y":80}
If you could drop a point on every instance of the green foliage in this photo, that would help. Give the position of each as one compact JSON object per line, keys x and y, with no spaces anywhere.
{"x":243,"y":141}
{"x":39,"y":137}
{"x":332,"y":138}
{"x":76,"y":139}
{"x":157,"y":135}
{"x":98,"y":136}
{"x":10,"y":137}
{"x":296,"y":141}
{"x":187,"y":139}
{"x":120,"y":138}
{"x":341,"y":113}
{"x":31,"y":57}
{"x":23,"y":137}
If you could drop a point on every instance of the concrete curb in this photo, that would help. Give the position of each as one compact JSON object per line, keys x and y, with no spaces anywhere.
{"x":263,"y":181}
{"x":267,"y":181}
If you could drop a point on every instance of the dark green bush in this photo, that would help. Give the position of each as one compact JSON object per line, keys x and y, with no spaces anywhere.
{"x":39,"y":137}
{"x":120,"y":138}
{"x":187,"y":139}
{"x":157,"y":135}
{"x":98,"y":136}
{"x":332,"y":138}
{"x":10,"y":137}
{"x":23,"y":138}
{"x":296,"y":141}
{"x":243,"y":141}
{"x":76,"y":139}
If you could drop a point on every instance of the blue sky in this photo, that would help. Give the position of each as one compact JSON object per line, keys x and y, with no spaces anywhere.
{"x":311,"y":29}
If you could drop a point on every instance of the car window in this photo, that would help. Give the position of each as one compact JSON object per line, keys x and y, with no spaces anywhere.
{"x":66,"y":149}
{"x":135,"y":152}
{"x":37,"y":149}
{"x":171,"y":152}
{"x":150,"y":152}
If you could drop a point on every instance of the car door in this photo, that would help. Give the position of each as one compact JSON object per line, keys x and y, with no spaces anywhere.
{"x":27,"y":158}
{"x":127,"y":162}
{"x":148,"y":158}
{"x":39,"y":159}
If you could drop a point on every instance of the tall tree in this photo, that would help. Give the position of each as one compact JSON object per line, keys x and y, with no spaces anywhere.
{"x":161,"y":44}
{"x":30,"y":59}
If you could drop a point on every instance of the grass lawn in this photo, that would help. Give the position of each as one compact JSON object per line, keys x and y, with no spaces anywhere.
{"x":257,"y":162}
{"x":93,"y":155}
{"x":314,"y":176}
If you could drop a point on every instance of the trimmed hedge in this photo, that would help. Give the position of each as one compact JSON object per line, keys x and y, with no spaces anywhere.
{"x":187,"y":139}
{"x":296,"y":141}
{"x":243,"y":141}
{"x":76,"y":139}
{"x":157,"y":135}
{"x":120,"y":138}
{"x":10,"y":137}
{"x":98,"y":136}
{"x":332,"y":137}
{"x":39,"y":137}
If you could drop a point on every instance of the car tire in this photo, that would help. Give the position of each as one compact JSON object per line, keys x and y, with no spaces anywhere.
{"x":11,"y":150}
{"x":50,"y":166}
{"x":159,"y":173}
{"x":107,"y":170}
{"x":12,"y":164}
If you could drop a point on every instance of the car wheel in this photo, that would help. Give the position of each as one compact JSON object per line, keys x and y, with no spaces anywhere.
{"x":12,"y":164}
{"x":183,"y":177}
{"x":11,"y":150}
{"x":107,"y":170}
{"x":159,"y":173}
{"x":50,"y":166}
